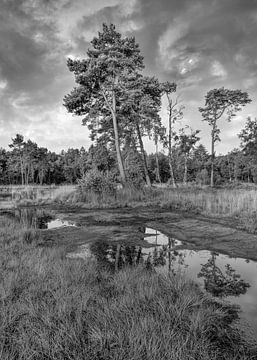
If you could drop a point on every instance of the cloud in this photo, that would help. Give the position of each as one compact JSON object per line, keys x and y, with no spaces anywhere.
{"x":200,"y":45}
{"x":218,"y":70}
{"x":3,"y":84}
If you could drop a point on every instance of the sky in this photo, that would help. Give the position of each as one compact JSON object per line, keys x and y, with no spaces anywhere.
{"x":201,"y":45}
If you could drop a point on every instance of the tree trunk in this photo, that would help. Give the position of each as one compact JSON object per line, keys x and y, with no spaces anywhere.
{"x":21,"y":164}
{"x":212,"y":157}
{"x":143,"y":157}
{"x":185,"y":171}
{"x":172,"y":178}
{"x":235,"y":171}
{"x":117,"y":142}
{"x":117,"y":257}
{"x":158,"y":176}
{"x":229,"y":171}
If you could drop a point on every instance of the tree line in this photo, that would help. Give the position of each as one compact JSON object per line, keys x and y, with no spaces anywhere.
{"x":27,"y":163}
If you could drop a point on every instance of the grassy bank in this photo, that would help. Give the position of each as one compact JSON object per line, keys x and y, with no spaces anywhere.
{"x":30,"y":194}
{"x":55,"y":308}
{"x":239,"y":203}
{"x":211,"y":201}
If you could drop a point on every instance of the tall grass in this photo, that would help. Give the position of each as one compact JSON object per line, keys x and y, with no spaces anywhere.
{"x":205,"y":200}
{"x":55,"y":308}
{"x":33,"y":194}
{"x":213,"y":202}
{"x":225,"y":202}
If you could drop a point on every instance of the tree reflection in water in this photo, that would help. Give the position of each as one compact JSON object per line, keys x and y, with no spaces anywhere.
{"x":221,"y":284}
{"x":116,"y":255}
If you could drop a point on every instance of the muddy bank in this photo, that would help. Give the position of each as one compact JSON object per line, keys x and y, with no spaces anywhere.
{"x":124,"y":225}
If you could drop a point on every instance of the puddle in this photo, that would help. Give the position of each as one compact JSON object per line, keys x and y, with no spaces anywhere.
{"x":57,"y":223}
{"x":38,"y":218}
{"x":156,"y":238}
{"x":233,"y":279}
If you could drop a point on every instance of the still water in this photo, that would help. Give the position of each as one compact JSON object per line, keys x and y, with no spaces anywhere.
{"x":37,"y":219}
{"x":233,"y":279}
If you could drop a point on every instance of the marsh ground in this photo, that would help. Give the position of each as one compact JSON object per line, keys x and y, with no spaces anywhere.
{"x":198,"y":231}
{"x":53,"y":307}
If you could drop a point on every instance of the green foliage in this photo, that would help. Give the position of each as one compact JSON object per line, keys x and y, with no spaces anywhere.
{"x":102,"y":85}
{"x":186,"y":142}
{"x":202,"y":177}
{"x":97,"y":182}
{"x":222,"y":101}
{"x":248,"y":137}
{"x":135,"y":179}
{"x":218,"y":102}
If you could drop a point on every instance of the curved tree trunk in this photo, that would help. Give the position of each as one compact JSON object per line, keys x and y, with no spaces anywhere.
{"x":117,"y":142}
{"x":143,"y":157}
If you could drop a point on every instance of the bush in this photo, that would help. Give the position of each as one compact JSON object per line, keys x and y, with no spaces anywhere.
{"x":98,"y":182}
{"x":135,"y":179}
{"x":202,"y":178}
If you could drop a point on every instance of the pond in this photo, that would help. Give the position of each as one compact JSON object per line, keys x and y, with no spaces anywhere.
{"x":233,"y":279}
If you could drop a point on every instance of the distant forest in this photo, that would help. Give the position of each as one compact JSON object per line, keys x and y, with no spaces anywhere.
{"x":27,"y":163}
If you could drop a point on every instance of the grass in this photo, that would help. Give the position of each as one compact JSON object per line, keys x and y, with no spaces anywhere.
{"x":239,"y":203}
{"x":35,"y":194}
{"x":55,"y":308}
{"x":206,"y":200}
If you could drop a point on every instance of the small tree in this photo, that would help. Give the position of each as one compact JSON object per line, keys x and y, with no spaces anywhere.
{"x":175,"y":112}
{"x":18,"y":146}
{"x":186,"y":145}
{"x":248,"y":137}
{"x":217,"y":103}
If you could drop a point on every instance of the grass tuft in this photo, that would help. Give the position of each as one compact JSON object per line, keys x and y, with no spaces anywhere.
{"x":56,"y":308}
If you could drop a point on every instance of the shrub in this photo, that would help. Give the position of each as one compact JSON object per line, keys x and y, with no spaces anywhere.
{"x":202,"y":178}
{"x":135,"y":179}
{"x":98,"y":182}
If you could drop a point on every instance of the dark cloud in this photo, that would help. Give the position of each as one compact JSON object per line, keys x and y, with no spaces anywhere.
{"x":200,"y":44}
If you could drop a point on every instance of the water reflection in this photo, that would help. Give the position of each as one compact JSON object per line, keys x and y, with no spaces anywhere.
{"x":32,"y":217}
{"x":37,"y":218}
{"x":217,"y":273}
{"x":222,"y":283}
{"x":117,"y":255}
{"x":165,"y":254}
